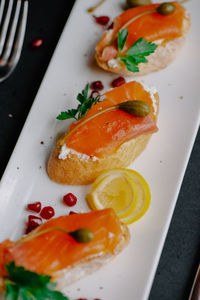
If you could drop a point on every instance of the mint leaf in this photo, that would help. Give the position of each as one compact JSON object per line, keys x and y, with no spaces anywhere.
{"x":141,"y":48}
{"x":122,"y":37}
{"x":71,"y":113}
{"x":130,"y":63}
{"x":27,"y":285}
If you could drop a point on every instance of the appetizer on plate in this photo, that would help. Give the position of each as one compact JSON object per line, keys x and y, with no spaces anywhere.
{"x":66,"y":248}
{"x":144,"y":39}
{"x":109,"y":134}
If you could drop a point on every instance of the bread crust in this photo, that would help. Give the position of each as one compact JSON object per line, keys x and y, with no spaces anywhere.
{"x":165,"y":53}
{"x":90,"y":264}
{"x":76,"y":171}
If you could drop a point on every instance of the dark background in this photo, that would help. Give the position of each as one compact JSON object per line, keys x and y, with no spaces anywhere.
{"x":180,"y":255}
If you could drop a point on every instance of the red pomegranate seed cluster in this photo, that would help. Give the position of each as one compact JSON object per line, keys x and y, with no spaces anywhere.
{"x":33,"y":222}
{"x":102,"y":20}
{"x":110,"y":26}
{"x":118,"y":81}
{"x":46,"y":213}
{"x":94,"y":94}
{"x":37,"y":43}
{"x":36,"y":207}
{"x":97,"y":85}
{"x":72,"y":213}
{"x":69,"y":199}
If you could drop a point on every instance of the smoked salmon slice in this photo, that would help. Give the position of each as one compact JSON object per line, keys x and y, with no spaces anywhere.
{"x":151,"y":27}
{"x":108,"y":131}
{"x":55,"y":250}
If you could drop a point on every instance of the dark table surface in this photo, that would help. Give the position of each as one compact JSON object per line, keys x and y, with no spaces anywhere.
{"x":180,"y":256}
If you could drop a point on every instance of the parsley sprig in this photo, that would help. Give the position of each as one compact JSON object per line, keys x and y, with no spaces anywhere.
{"x":85,"y":105}
{"x":136,"y":53}
{"x":27,"y":285}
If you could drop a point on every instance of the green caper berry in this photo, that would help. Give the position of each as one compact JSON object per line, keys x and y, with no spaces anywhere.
{"x":82,"y":235}
{"x":136,"y":108}
{"x":135,"y":3}
{"x":166,"y":8}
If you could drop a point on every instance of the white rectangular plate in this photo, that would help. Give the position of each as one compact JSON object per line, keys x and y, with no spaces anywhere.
{"x":130,"y":275}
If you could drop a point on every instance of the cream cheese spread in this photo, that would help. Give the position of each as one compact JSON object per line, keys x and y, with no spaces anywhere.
{"x":67,"y":152}
{"x":113,"y":63}
{"x":152,"y":91}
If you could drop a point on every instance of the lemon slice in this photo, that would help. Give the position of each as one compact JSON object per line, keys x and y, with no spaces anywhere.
{"x":126,"y":191}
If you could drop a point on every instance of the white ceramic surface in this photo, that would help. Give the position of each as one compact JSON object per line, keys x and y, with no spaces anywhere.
{"x":163,"y":163}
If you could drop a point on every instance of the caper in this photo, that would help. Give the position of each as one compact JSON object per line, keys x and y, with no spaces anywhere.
{"x":134,"y":3}
{"x":136,"y":108}
{"x":82,"y":235}
{"x":166,"y":8}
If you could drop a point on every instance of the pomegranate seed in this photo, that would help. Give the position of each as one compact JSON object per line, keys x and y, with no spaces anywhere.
{"x":97,"y":85}
{"x":118,"y":81}
{"x":110,"y":26}
{"x":95,"y":94}
{"x":72,"y":213}
{"x":32,"y":223}
{"x":47,"y":212}
{"x":102,"y":20}
{"x":37,"y":43}
{"x":36,"y":207}
{"x":69,"y":199}
{"x":81,"y":299}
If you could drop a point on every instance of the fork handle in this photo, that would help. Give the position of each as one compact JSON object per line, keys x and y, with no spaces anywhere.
{"x":195,"y":291}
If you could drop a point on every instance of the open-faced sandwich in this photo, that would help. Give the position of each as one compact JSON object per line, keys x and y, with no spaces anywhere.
{"x":62,"y":250}
{"x":108,"y":134}
{"x":144,"y":39}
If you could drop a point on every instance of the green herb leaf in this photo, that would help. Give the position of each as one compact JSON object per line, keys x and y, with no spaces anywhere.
{"x":141,"y":48}
{"x":11,"y":291}
{"x":85,"y":105}
{"x":71,"y":113}
{"x":122,"y":37}
{"x":27,"y":285}
{"x":136,"y":53}
{"x":130,"y":63}
{"x":85,"y":91}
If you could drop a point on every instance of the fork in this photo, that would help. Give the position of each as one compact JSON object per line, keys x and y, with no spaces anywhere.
{"x":13,"y":24}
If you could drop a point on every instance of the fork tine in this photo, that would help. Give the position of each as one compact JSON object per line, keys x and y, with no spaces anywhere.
{"x":1,"y":9}
{"x":11,"y":36}
{"x":5,"y":25}
{"x":19,"y":38}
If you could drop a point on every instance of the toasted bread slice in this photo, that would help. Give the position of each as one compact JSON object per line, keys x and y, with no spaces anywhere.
{"x":77,"y":170}
{"x":165,"y":53}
